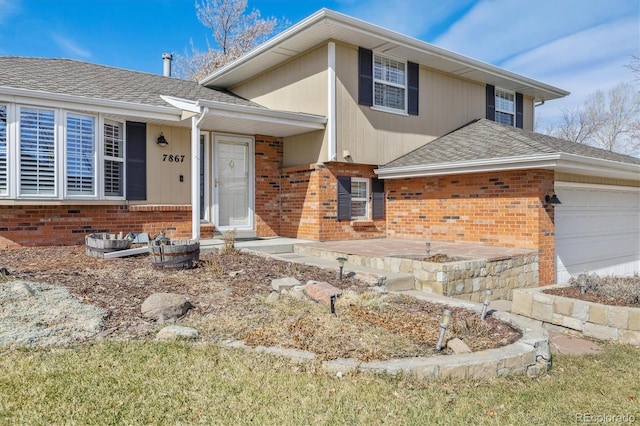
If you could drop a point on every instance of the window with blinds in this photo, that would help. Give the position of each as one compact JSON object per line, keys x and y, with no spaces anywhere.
{"x":80,"y":155}
{"x":505,"y":107}
{"x":359,"y":198}
{"x":390,"y":83}
{"x":113,"y":158}
{"x":37,"y":152}
{"x":3,"y":150}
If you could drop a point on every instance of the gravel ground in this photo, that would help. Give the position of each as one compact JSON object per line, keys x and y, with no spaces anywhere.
{"x":36,"y":314}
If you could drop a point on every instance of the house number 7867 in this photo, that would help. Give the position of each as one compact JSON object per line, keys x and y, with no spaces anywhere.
{"x":173,"y":158}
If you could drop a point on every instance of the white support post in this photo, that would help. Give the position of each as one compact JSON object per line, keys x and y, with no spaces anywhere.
{"x":195,"y":175}
{"x":331,"y":97}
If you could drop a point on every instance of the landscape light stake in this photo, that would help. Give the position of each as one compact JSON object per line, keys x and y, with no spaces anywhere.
{"x":446,"y":319}
{"x":341,"y":261}
{"x":332,"y":301}
{"x":582,"y":282}
{"x":485,"y":303}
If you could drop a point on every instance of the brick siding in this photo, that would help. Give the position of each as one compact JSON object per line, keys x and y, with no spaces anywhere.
{"x":504,"y":209}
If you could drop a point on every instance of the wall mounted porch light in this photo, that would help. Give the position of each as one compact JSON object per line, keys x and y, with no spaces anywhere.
{"x":162,"y":141}
{"x":552,"y":199}
{"x":446,"y":319}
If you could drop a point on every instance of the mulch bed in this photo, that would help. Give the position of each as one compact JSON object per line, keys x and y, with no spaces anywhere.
{"x":233,"y":287}
{"x":574,"y":293}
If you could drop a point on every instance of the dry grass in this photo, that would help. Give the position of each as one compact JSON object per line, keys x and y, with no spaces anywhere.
{"x":625,"y":289}
{"x":180,"y":383}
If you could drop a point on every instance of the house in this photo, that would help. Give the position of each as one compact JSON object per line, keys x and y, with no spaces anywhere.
{"x":334,"y":129}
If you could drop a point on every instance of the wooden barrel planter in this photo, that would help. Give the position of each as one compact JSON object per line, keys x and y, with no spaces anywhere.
{"x":175,"y":254}
{"x":100,"y":243}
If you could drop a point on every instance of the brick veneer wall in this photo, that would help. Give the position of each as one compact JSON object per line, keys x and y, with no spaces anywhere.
{"x":504,"y":209}
{"x":268,"y":161}
{"x":309,"y":203}
{"x":69,"y":224}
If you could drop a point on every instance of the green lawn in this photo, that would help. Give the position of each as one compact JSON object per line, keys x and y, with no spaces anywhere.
{"x":182,"y":383}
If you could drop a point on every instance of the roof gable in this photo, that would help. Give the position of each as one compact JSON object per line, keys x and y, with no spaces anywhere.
{"x":327,"y":25}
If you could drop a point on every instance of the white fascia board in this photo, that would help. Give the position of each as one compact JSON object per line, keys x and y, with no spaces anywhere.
{"x":332,"y":17}
{"x":106,"y":106}
{"x":312,"y":122}
{"x":568,"y":163}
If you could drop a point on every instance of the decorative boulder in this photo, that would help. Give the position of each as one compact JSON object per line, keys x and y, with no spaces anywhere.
{"x":165,"y":306}
{"x":280,"y":284}
{"x":176,"y":332}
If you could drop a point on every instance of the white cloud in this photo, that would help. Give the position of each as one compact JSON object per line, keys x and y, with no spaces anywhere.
{"x":69,"y":47}
{"x":414,"y":18}
{"x":496,"y":30}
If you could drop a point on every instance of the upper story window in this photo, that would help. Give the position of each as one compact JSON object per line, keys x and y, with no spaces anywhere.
{"x":505,"y":107}
{"x":3,"y":150}
{"x":390,"y":83}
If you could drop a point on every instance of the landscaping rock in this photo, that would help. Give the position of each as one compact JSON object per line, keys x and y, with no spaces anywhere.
{"x":234,"y":274}
{"x":458,"y":346}
{"x":175,"y":332}
{"x":165,"y":306}
{"x":22,"y":288}
{"x":297,"y":294}
{"x":321,"y":291}
{"x":273,"y":297}
{"x":284,"y":283}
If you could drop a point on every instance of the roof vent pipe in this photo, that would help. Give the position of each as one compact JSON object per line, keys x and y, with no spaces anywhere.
{"x":166,"y":59}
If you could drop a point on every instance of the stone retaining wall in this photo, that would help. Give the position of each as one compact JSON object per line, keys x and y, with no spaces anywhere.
{"x":616,"y":323}
{"x":530,"y":355}
{"x":464,"y":279}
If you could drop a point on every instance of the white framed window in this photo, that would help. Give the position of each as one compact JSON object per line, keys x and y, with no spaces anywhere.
{"x":359,"y":198}
{"x":80,"y":158}
{"x":113,"y":158}
{"x":37,"y":145}
{"x":4,"y":179}
{"x":505,"y":107}
{"x":389,"y":84}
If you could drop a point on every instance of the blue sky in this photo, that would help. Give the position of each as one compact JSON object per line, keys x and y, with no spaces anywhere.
{"x":577,"y":45}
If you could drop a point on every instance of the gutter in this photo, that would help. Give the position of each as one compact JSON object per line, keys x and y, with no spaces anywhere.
{"x":562,"y":162}
{"x":195,"y":174}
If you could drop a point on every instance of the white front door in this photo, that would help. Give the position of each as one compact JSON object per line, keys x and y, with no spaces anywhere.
{"x":233,"y":182}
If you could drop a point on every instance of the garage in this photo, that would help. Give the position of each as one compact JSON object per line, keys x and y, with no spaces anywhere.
{"x":597,"y":229}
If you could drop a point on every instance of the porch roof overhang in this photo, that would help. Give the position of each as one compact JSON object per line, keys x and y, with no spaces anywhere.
{"x":327,"y":25}
{"x":243,"y":119}
{"x":560,"y":162}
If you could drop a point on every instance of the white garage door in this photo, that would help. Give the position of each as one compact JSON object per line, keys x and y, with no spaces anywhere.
{"x":597,"y":229}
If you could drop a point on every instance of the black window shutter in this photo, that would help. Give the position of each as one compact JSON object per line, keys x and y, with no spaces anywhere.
{"x":519,"y":107}
{"x":344,"y":197}
{"x":365,"y":80}
{"x":136,"y":161}
{"x":491,"y":103}
{"x":377,"y":191}
{"x":414,"y":87}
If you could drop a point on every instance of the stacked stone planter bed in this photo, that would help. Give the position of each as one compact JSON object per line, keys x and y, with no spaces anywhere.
{"x":465,"y":279}
{"x":616,"y":323}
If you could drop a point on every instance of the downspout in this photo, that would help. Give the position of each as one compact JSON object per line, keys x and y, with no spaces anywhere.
{"x":331,"y":97}
{"x":195,"y":174}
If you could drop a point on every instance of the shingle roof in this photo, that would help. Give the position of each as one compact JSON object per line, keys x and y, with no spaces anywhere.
{"x":78,"y":78}
{"x":487,"y":140}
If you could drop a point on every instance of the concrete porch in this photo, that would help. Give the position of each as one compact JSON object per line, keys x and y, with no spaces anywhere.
{"x":400,"y":264}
